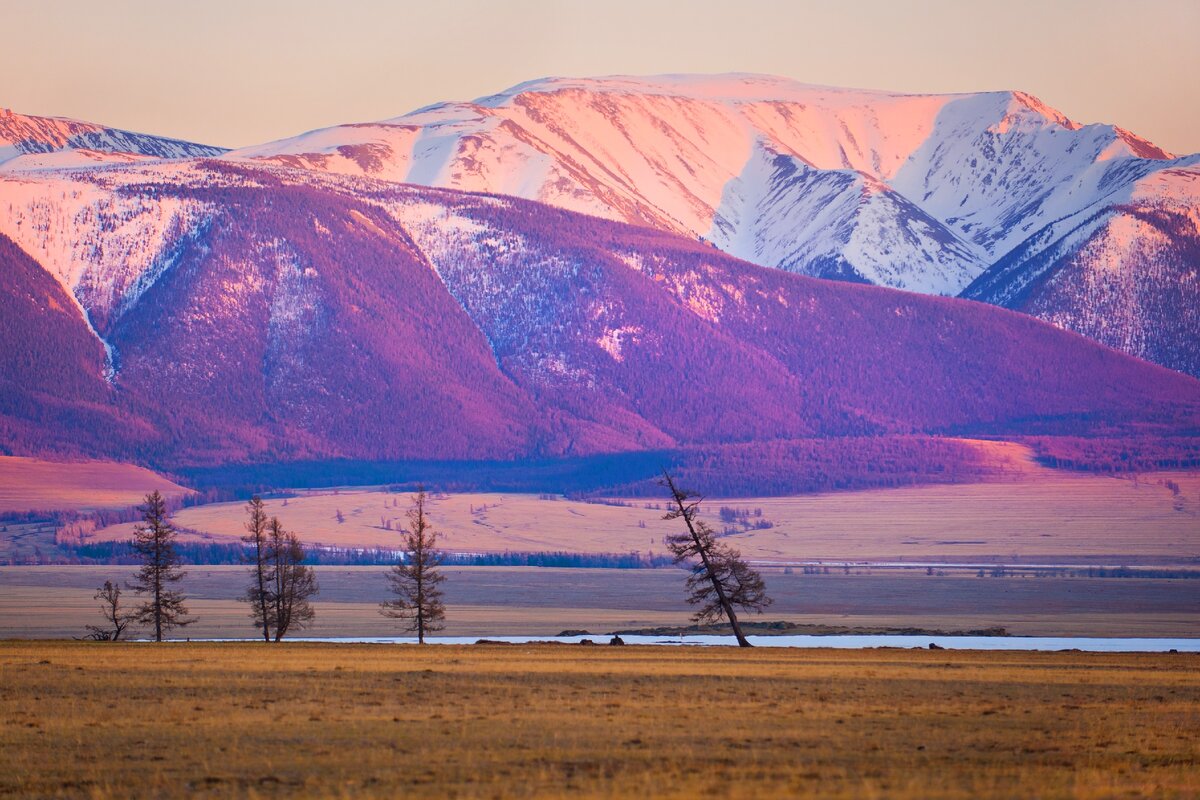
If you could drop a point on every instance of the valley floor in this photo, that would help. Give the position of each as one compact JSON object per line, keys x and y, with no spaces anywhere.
{"x":1025,"y":514}
{"x":223,"y":720}
{"x":56,"y":601}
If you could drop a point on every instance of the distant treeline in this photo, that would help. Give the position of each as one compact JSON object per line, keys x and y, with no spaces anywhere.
{"x":779,"y":467}
{"x":1117,"y":454}
{"x":553,"y":475}
{"x":104,"y":517}
{"x":213,"y":553}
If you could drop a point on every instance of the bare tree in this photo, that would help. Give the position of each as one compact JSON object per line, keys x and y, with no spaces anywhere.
{"x":719,"y":578}
{"x":258,"y":594}
{"x":415,"y":579}
{"x":154,"y":541}
{"x":117,"y":618}
{"x":295,"y":583}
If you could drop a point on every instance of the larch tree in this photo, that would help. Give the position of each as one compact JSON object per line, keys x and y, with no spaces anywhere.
{"x":294,"y":582}
{"x":117,"y":618}
{"x":415,"y":579}
{"x":154,"y":541}
{"x":258,"y":593}
{"x":720,"y":579}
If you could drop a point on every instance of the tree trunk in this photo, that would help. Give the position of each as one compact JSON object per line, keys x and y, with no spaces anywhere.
{"x":157,"y":590}
{"x":262,"y":589}
{"x":420,"y":606}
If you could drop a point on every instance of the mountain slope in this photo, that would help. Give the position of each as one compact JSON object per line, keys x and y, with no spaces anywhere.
{"x":53,"y":395}
{"x":837,"y":224}
{"x":260,"y":313}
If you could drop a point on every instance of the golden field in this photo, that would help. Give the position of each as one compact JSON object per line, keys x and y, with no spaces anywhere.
{"x":252,"y":720}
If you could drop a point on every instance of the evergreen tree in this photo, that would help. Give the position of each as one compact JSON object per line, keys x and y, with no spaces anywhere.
{"x":154,"y":541}
{"x":720,"y":579}
{"x":415,"y":579}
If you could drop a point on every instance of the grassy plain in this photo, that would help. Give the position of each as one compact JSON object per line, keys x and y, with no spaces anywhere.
{"x":1031,"y":515}
{"x":32,"y":484}
{"x":251,"y":720}
{"x":494,"y":601}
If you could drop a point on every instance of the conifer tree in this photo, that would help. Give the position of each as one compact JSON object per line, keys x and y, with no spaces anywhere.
{"x":415,"y":579}
{"x":720,"y":579}
{"x":154,"y":541}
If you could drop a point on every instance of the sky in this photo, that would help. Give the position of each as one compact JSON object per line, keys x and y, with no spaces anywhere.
{"x":240,"y":73}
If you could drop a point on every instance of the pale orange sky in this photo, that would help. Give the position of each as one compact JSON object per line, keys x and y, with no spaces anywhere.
{"x":239,"y":73}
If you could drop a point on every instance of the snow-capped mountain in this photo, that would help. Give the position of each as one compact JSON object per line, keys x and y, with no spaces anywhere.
{"x":28,"y":142}
{"x":918,"y":192}
{"x":207,"y":312}
{"x":1125,"y":271}
{"x":690,"y":154}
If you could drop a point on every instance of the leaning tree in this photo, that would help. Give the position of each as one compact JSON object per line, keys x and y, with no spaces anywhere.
{"x":415,"y":579}
{"x":720,"y":579}
{"x":154,"y":541}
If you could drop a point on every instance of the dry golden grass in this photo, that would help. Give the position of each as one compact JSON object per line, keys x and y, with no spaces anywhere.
{"x":31,"y":484}
{"x":212,"y":720}
{"x":1029,"y":513}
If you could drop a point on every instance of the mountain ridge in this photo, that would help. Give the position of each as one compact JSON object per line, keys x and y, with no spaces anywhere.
{"x":290,"y":315}
{"x":33,"y":142}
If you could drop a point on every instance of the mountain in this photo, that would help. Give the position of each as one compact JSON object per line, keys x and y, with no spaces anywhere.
{"x":28,"y":142}
{"x":919,"y":192}
{"x":206,"y":312}
{"x":1123,"y":271}
{"x":685,"y":154}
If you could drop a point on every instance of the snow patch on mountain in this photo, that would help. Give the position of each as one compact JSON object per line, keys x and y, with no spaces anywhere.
{"x":1122,"y":272}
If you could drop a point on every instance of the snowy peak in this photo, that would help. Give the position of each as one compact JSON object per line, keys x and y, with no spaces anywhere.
{"x":26,"y":140}
{"x":1000,"y":166}
{"x":1141,"y":148}
{"x":843,"y":224}
{"x":682,"y":152}
{"x":1023,"y":102}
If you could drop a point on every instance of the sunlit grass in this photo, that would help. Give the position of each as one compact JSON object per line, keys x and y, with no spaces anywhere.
{"x":100,"y":720}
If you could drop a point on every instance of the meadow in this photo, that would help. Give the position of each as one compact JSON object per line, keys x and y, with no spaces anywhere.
{"x":251,"y":720}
